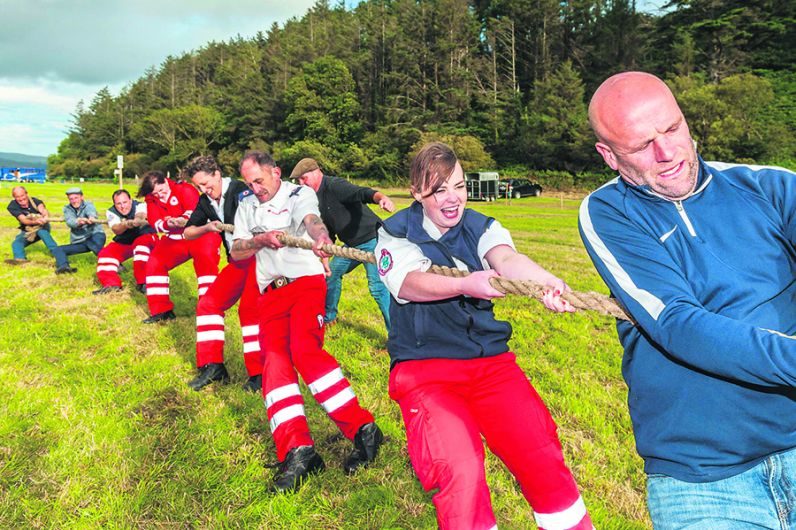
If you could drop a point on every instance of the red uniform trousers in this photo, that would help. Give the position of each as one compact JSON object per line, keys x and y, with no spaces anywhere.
{"x":235,"y":281}
{"x":114,"y":254}
{"x":448,"y":404}
{"x":291,"y":336}
{"x":171,"y":251}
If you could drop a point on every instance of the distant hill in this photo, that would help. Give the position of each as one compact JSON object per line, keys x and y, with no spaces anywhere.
{"x":20,"y":160}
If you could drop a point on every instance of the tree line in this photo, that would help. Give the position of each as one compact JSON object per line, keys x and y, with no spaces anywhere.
{"x":506,"y":83}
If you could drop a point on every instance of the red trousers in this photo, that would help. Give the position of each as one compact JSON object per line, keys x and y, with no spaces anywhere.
{"x":291,"y":335}
{"x":114,"y":254}
{"x":169,"y":252}
{"x":235,"y":281}
{"x":448,"y":404}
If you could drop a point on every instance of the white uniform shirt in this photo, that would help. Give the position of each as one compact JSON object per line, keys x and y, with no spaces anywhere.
{"x":219,"y":207}
{"x":285,"y":212}
{"x":396,"y":257}
{"x":114,"y":219}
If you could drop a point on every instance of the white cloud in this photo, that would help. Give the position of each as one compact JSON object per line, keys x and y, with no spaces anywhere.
{"x":34,"y":95}
{"x":53,"y":53}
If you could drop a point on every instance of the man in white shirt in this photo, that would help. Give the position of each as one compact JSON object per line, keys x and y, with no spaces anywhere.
{"x":134,"y":237}
{"x":291,"y":308}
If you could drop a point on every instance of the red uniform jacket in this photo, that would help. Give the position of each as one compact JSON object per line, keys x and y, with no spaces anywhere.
{"x":181,"y":203}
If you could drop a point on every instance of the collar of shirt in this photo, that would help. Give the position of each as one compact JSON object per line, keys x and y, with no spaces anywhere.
{"x":218,"y":206}
{"x":279,"y":201}
{"x":430,"y":228}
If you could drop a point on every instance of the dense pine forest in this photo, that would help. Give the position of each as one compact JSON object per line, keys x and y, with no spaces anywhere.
{"x":505,"y":82}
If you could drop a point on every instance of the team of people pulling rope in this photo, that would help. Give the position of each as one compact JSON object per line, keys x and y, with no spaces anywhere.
{"x":700,"y":255}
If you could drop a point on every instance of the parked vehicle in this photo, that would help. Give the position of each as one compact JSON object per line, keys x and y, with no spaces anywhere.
{"x":516,"y":188}
{"x":23,"y":174}
{"x":482,"y":185}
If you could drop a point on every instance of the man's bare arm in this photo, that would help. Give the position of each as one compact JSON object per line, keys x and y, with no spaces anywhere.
{"x":246,"y":248}
{"x":195,"y":232}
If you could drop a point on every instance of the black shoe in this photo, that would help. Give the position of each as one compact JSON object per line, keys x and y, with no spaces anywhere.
{"x":366,"y":446}
{"x":160,"y":317}
{"x":254,"y":384}
{"x":17,"y":261}
{"x":209,"y":373}
{"x":65,"y":269}
{"x":297,"y":466}
{"x":141,"y":288}
{"x":107,"y":289}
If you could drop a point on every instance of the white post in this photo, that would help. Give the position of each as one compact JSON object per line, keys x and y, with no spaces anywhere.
{"x":119,"y":168}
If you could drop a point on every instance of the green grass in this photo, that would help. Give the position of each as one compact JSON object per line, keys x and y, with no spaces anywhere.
{"x":98,"y":428}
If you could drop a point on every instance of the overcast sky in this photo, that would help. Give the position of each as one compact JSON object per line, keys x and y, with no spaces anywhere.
{"x":53,"y":53}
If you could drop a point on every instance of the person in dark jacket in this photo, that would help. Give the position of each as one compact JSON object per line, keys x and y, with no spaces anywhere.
{"x":31,"y":212}
{"x":345,"y":214}
{"x":452,"y":373}
{"x":217,"y":206}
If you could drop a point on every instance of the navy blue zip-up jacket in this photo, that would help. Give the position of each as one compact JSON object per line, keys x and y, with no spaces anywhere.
{"x":710,"y":280}
{"x":456,"y":328}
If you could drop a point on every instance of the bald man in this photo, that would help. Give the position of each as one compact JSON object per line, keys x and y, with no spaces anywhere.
{"x":701,"y":254}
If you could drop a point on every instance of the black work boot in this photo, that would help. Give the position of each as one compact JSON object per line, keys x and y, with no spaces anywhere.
{"x":254,"y":384}
{"x":65,"y":269}
{"x":160,"y":317}
{"x":297,"y":466}
{"x":209,"y":373}
{"x":366,"y":446}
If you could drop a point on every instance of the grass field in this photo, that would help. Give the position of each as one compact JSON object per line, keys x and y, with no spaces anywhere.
{"x":98,"y":428}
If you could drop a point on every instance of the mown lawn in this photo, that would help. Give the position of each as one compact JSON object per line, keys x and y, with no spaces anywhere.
{"x":98,"y":428}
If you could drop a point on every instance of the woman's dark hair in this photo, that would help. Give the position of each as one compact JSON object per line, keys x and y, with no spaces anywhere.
{"x":148,"y":182}
{"x":431,"y":167}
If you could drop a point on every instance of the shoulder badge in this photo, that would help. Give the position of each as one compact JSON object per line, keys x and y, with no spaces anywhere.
{"x":245,"y":193}
{"x":385,"y":262}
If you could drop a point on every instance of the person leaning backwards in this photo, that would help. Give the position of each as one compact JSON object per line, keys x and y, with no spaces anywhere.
{"x":293,"y":289}
{"x":452,"y":372}
{"x":31,"y":212}
{"x":702,"y":255}
{"x":344,"y":212}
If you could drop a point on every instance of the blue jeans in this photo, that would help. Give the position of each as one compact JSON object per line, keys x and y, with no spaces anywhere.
{"x":334,"y":283}
{"x":19,"y":244}
{"x":94,"y":244}
{"x":762,"y":497}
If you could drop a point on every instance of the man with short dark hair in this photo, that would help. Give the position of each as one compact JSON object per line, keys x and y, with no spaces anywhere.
{"x":293,"y":289}
{"x":702,"y":256}
{"x":31,"y":212}
{"x":217,"y":206}
{"x":344,"y":213}
{"x":86,"y":234}
{"x":134,"y":238}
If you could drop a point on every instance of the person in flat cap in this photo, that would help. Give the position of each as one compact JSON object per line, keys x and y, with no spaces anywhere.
{"x":344,"y":213}
{"x":86,"y":234}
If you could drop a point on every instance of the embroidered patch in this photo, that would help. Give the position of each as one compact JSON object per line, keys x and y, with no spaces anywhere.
{"x":385,"y":262}
{"x":173,"y":201}
{"x":320,"y":321}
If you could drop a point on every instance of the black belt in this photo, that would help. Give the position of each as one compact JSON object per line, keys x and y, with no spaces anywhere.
{"x":279,"y":282}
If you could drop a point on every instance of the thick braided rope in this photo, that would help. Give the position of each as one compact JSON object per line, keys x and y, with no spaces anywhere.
{"x":588,"y":300}
{"x":30,"y":230}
